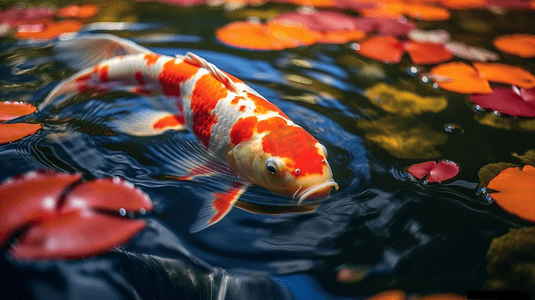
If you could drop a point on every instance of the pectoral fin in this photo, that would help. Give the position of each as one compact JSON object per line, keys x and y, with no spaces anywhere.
{"x":214,"y":209}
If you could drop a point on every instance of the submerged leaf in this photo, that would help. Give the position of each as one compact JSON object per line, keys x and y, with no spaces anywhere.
{"x":384,"y":26}
{"x":463,"y":79}
{"x":403,"y":102}
{"x":505,"y":123}
{"x":514,"y":189}
{"x":528,"y":158}
{"x":402,"y":138}
{"x":522,"y":45}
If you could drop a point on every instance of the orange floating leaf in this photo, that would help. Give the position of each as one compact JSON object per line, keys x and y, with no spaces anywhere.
{"x":341,"y":37}
{"x":514,"y":191}
{"x":463,"y":4}
{"x":12,"y":132}
{"x":271,"y":36}
{"x":427,"y":12}
{"x":49,"y":30}
{"x":416,"y":11}
{"x":503,"y":73}
{"x":383,"y":48}
{"x":78,"y":11}
{"x":522,"y":45}
{"x":10,"y":110}
{"x":427,"y":53}
{"x":461,"y":78}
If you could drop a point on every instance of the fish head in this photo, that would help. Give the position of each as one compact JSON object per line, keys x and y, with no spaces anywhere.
{"x":287,"y":161}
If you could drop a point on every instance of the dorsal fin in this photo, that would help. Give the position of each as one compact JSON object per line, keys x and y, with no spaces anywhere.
{"x":215,"y":71}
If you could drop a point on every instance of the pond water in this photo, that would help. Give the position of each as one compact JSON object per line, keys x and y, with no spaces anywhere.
{"x":397,"y":233}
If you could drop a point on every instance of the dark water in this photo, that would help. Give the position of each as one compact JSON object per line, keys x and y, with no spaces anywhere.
{"x":401,"y":234}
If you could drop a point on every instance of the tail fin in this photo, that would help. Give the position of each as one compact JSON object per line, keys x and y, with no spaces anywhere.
{"x":85,"y":51}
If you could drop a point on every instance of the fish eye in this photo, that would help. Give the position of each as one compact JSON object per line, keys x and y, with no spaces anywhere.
{"x":271,"y":168}
{"x":297,"y":171}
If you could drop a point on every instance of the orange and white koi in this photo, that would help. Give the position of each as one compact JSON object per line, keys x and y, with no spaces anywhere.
{"x":231,"y":120}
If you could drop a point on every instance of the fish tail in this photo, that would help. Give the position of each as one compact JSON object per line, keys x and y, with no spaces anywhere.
{"x":85,"y":51}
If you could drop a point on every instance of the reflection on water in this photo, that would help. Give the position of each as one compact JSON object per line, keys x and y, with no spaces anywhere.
{"x":397,"y":233}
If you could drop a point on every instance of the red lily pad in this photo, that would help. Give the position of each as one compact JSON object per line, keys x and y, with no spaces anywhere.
{"x":513,"y":102}
{"x":513,"y":190}
{"x":435,"y":172}
{"x":61,"y":217}
{"x":383,"y":48}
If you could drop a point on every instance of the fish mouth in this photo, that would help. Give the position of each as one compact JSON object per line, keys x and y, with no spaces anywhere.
{"x":323,"y":187}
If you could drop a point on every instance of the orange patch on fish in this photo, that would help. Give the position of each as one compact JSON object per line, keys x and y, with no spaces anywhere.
{"x":103,"y":74}
{"x":206,"y":94}
{"x":270,"y":124}
{"x":151,"y":58}
{"x":263,"y":106}
{"x":243,"y":130}
{"x":298,"y":146}
{"x":168,"y":122}
{"x":173,"y":74}
{"x":236,"y":100}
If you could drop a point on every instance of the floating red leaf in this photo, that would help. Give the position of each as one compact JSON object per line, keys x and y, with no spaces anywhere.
{"x":435,"y":172}
{"x":383,"y":48}
{"x":513,"y":102}
{"x":427,"y":53}
{"x":57,"y":222}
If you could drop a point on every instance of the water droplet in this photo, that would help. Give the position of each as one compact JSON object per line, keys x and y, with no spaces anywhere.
{"x":453,"y":128}
{"x":122,"y":211}
{"x":355,"y":46}
{"x":435,"y":85}
{"x":478,"y":109}
{"x":425,"y":79}
{"x":497,"y":113}
{"x":142,"y":211}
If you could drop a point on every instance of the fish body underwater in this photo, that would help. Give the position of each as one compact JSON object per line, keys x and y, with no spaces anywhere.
{"x":231,"y":120}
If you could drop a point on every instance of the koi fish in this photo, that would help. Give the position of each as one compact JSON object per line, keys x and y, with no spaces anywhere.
{"x":230,"y":119}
